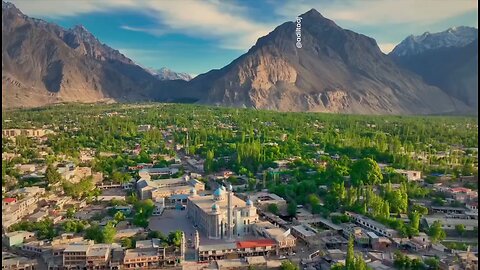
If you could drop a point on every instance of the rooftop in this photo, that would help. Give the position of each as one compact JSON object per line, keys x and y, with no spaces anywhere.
{"x":205,"y":202}
{"x":305,"y":230}
{"x":140,"y":252}
{"x":255,"y":243}
{"x":223,"y":246}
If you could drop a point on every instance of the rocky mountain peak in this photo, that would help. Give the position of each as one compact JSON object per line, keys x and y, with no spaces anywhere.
{"x":458,"y":36}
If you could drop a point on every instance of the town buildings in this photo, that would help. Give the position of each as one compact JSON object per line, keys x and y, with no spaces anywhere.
{"x":15,"y":209}
{"x":32,"y":132}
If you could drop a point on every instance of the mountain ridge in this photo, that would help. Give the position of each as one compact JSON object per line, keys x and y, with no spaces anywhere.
{"x":450,"y":62}
{"x":274,"y":74}
{"x":336,"y":70}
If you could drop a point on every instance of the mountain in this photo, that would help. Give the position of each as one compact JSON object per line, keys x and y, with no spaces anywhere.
{"x":43,"y":63}
{"x":336,"y":70}
{"x":166,"y":74}
{"x":448,"y":60}
{"x":453,"y":37}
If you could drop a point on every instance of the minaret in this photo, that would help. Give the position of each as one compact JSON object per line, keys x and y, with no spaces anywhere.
{"x":183,"y":247}
{"x":186,"y":145}
{"x":230,"y":211}
{"x":197,"y":244}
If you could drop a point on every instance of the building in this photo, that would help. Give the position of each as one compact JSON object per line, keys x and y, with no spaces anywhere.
{"x":149,"y":173}
{"x":462,"y":194}
{"x":235,"y":250}
{"x":88,"y":256}
{"x":217,"y":252}
{"x":16,"y":210}
{"x":38,"y":132}
{"x":12,"y":261}
{"x":150,"y":257}
{"x":164,"y":188}
{"x":372,"y":225}
{"x":8,"y":201}
{"x":221,"y":215}
{"x":410,"y":175}
{"x":196,"y":164}
{"x":360,"y":236}
{"x":304,"y":232}
{"x":144,"y":128}
{"x":450,"y":223}
{"x":263,"y":199}
{"x":17,"y":238}
{"x":283,"y":238}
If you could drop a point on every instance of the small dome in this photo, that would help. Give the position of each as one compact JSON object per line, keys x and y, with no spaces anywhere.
{"x":193,"y":191}
{"x":215,"y":207}
{"x":223,"y":188}
{"x":249,"y":202}
{"x":218,"y":192}
{"x":230,"y":188}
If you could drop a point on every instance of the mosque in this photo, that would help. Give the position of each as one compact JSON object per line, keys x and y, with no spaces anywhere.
{"x":221,"y":215}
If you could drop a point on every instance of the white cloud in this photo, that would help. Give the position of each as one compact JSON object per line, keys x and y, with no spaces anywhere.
{"x":384,"y":11}
{"x":209,"y":19}
{"x":56,"y":8}
{"x":386,"y":47}
{"x":152,"y":31}
{"x":229,"y":25}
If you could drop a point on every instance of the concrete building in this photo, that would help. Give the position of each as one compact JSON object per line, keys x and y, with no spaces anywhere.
{"x":16,"y":238}
{"x":235,"y":250}
{"x":263,"y":199}
{"x":12,"y":261}
{"x":283,"y":238}
{"x":164,"y":188}
{"x":360,"y":236}
{"x":16,"y":210}
{"x":410,"y":175}
{"x":88,"y":256}
{"x":38,"y":132}
{"x":450,"y":223}
{"x":372,"y":225}
{"x":150,"y":257}
{"x":221,"y":215}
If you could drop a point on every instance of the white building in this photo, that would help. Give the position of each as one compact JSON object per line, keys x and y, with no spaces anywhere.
{"x":221,"y":215}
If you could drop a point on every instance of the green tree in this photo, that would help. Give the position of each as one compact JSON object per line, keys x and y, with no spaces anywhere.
{"x":273,"y":208}
{"x":288,"y":265}
{"x":127,"y":243}
{"x":208,"y":164}
{"x":120,"y":178}
{"x":365,"y":171}
{"x":70,"y":212}
{"x":175,"y":238}
{"x":338,"y":266}
{"x":108,"y":233}
{"x":101,"y":235}
{"x":292,"y":208}
{"x":52,"y":175}
{"x":360,"y":263}
{"x":436,"y":232}
{"x":414,"y":225}
{"x":119,"y":216}
{"x":460,"y":228}
{"x":350,"y":259}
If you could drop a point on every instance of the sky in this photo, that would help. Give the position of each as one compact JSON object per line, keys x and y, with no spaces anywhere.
{"x":195,"y":36}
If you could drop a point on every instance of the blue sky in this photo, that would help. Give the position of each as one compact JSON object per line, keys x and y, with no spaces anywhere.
{"x":197,"y":36}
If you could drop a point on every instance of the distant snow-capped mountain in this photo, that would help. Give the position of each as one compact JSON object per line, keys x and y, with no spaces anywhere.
{"x":453,"y":37}
{"x":166,"y":74}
